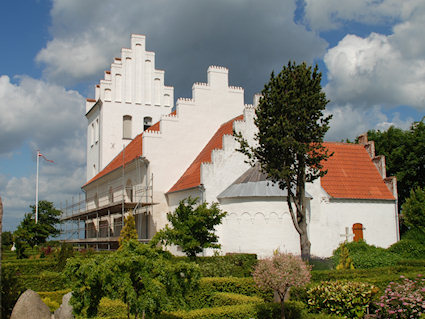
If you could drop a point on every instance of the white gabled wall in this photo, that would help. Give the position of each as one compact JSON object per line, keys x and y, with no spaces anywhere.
{"x":132,"y":87}
{"x":182,"y":137}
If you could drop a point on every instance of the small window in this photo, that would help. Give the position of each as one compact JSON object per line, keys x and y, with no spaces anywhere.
{"x":92,"y":134}
{"x":96,"y":131}
{"x":129,"y":190}
{"x":147,"y":122}
{"x":126,"y":127}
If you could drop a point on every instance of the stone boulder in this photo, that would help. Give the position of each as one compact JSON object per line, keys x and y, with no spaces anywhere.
{"x":30,"y":306}
{"x":65,"y":310}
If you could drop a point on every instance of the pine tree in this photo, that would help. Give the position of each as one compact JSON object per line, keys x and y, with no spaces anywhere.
{"x":128,"y":232}
{"x":291,"y":127}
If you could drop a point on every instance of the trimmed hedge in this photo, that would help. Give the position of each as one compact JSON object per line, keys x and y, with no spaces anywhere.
{"x":30,"y":266}
{"x":230,"y":299}
{"x":408,"y":249}
{"x":293,"y":310}
{"x":232,"y":265}
{"x":45,"y":281}
{"x":209,"y":286}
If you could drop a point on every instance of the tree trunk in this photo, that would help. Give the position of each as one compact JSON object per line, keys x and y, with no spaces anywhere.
{"x":282,"y":309}
{"x":302,"y":216}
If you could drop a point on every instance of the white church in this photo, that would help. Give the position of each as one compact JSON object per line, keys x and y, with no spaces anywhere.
{"x":145,"y":154}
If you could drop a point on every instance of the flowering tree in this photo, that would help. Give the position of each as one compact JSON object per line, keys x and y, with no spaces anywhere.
{"x":403,"y":300}
{"x":281,"y":272}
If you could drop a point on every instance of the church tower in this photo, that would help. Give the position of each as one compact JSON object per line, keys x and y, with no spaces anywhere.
{"x":131,"y":97}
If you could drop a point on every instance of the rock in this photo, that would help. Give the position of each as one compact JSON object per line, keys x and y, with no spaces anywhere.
{"x":30,"y":306}
{"x":65,"y":310}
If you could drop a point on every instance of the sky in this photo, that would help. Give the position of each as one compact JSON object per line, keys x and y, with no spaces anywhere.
{"x":371,"y":54}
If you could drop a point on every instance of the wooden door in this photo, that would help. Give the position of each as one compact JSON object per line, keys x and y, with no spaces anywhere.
{"x":358,"y":232}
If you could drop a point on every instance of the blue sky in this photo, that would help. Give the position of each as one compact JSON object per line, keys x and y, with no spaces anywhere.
{"x":371,"y":54}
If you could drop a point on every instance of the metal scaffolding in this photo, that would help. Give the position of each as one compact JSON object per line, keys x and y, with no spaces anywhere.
{"x":99,"y":225}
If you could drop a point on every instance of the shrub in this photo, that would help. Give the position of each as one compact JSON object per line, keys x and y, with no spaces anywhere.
{"x":45,"y":281}
{"x":349,"y":299}
{"x":345,"y":262}
{"x":281,"y":272}
{"x":403,"y":300}
{"x":112,"y":308}
{"x":367,"y":256}
{"x":53,"y":305}
{"x":234,"y":265}
{"x":10,"y":289}
{"x":229,"y":299}
{"x":55,"y":296}
{"x":65,"y":252}
{"x":408,"y":249}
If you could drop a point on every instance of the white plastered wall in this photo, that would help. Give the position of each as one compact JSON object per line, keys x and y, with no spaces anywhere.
{"x":182,"y":137}
{"x":132,"y":87}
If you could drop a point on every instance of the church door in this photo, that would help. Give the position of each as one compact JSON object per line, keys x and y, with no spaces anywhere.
{"x":358,"y":232}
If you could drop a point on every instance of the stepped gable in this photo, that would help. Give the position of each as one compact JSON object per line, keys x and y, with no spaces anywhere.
{"x":352,"y":174}
{"x":131,"y":151}
{"x":192,"y":176}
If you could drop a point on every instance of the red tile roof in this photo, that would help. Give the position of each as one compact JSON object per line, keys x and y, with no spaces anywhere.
{"x":192,"y":176}
{"x":131,"y":151}
{"x":352,"y":174}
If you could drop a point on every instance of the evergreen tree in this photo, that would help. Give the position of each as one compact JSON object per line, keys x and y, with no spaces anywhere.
{"x":414,"y":210}
{"x":128,"y":232}
{"x":291,"y":127}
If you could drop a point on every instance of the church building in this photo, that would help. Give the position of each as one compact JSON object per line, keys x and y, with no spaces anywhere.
{"x":144,"y":155}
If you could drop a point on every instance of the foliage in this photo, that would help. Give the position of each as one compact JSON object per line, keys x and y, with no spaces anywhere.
{"x":291,"y":128}
{"x":404,"y":158}
{"x":63,"y":253}
{"x":20,"y":246}
{"x":349,"y":299}
{"x":55,"y":296}
{"x":192,"y":228}
{"x":281,"y":272}
{"x":229,"y":299}
{"x":37,"y":233}
{"x":367,"y":256}
{"x":128,"y":232}
{"x":10,"y":289}
{"x":6,"y":240}
{"x":234,"y":265}
{"x":112,"y":308}
{"x":141,"y":277}
{"x":408,"y":249}
{"x":403,"y":300}
{"x":414,"y":209}
{"x":53,"y":305}
{"x":345,"y":262}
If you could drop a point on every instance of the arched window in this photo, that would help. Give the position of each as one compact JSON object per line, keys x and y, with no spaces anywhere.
{"x":358,"y":232}
{"x":147,"y":122}
{"x":126,"y":127}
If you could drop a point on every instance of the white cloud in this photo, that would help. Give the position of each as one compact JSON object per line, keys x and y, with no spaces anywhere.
{"x":47,"y":117}
{"x":380,"y":69}
{"x":350,"y":121}
{"x":251,"y":38}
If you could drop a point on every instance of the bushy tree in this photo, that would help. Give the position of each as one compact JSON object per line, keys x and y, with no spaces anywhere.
{"x":34,"y":233}
{"x":128,"y":232}
{"x":144,"y":278}
{"x":192,"y":228}
{"x":6,"y":239}
{"x":281,"y":272}
{"x":404,"y":156}
{"x":291,"y":128}
{"x":414,"y":210}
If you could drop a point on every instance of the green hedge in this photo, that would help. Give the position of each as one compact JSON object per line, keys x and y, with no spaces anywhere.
{"x":209,"y":286}
{"x":30,"y":266}
{"x":231,"y":299}
{"x":293,"y":310}
{"x":408,"y":249}
{"x":232,"y":265}
{"x":45,"y":281}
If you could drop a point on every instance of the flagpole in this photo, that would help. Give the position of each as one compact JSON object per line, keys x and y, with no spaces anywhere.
{"x":36,"y":189}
